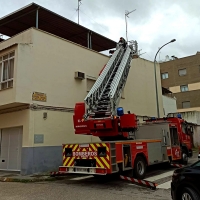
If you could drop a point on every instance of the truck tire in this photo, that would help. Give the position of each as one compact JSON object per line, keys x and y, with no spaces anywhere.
{"x":184,"y":157}
{"x":140,"y":168}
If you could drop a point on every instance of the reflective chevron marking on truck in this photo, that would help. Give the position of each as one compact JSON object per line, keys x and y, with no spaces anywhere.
{"x":89,"y":151}
{"x":68,"y":161}
{"x":102,"y":162}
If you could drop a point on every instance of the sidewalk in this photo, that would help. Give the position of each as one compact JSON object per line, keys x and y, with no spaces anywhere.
{"x":16,"y":177}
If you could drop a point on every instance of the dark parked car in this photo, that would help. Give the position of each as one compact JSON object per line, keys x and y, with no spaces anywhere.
{"x":186,"y":183}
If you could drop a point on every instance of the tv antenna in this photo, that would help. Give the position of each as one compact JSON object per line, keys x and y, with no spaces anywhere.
{"x":141,"y":53}
{"x":79,"y":4}
{"x":126,"y":15}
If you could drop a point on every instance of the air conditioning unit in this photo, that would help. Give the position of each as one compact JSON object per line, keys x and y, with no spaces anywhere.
{"x":79,"y":75}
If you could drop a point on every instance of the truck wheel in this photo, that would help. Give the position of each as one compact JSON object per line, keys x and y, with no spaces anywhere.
{"x":140,"y":168}
{"x":184,"y":157}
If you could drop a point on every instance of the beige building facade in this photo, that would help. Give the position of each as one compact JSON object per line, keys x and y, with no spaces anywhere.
{"x":34,"y":61}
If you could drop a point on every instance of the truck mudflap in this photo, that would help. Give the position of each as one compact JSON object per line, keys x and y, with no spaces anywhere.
{"x":83,"y":170}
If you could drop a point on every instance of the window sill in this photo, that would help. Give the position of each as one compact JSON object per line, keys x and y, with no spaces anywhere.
{"x":6,"y":88}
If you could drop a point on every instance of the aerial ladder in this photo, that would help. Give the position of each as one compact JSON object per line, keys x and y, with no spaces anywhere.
{"x":100,"y":113}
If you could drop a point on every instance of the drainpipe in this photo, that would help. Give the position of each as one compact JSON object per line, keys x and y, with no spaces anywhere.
{"x":90,"y":40}
{"x":37,"y":13}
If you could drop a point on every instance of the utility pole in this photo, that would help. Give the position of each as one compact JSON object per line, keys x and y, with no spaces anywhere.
{"x":126,"y":15}
{"x":79,"y":4}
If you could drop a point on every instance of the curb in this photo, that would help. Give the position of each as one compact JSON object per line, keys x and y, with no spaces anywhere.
{"x":6,"y":179}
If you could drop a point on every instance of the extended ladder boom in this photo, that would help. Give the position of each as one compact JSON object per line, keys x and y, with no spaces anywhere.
{"x":103,"y":98}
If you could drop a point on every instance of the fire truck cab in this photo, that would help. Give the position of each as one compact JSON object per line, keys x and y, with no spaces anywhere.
{"x":181,"y":134}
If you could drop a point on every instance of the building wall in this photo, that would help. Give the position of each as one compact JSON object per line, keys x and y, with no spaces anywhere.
{"x":18,"y":119}
{"x":197,"y":136}
{"x":50,"y":64}
{"x":189,"y":109}
{"x":8,"y":96}
{"x":191,"y":79}
{"x":56,"y":130}
{"x":169,"y":105}
{"x":139,"y":92}
{"x":192,"y":96}
{"x":191,"y":63}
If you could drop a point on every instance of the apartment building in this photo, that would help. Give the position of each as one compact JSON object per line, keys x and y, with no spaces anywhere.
{"x":47,"y":64}
{"x":182,"y":77}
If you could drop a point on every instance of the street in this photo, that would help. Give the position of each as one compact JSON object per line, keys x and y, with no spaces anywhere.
{"x":77,"y":187}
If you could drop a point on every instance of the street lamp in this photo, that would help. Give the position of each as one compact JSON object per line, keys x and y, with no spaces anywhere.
{"x":157,"y":103}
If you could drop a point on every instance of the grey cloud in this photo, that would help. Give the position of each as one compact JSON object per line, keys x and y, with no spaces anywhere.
{"x":94,"y":15}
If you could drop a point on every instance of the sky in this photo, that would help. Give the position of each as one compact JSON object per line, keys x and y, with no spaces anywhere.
{"x":152,"y":24}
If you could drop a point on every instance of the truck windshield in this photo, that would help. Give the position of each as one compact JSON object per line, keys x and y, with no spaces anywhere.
{"x":186,"y":128}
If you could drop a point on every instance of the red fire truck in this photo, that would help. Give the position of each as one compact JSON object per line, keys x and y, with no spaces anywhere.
{"x":125,"y":144}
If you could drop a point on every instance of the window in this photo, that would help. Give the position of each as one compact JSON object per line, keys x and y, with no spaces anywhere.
{"x":182,"y":72}
{"x":6,"y":70}
{"x":165,"y":75}
{"x":187,"y":129}
{"x":184,"y":88}
{"x":186,"y":104}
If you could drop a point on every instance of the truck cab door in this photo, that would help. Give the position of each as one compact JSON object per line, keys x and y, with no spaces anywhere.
{"x":187,"y":134}
{"x":175,"y":143}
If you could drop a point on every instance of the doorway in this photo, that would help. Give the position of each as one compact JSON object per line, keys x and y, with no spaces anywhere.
{"x":10,"y":149}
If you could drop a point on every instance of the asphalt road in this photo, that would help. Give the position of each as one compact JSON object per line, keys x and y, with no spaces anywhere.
{"x":63,"y":190}
{"x":76,"y":187}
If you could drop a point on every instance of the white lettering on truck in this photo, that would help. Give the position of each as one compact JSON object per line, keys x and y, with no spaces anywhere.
{"x":85,"y":153}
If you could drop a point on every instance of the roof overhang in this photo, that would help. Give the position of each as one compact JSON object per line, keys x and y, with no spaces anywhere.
{"x":34,"y":15}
